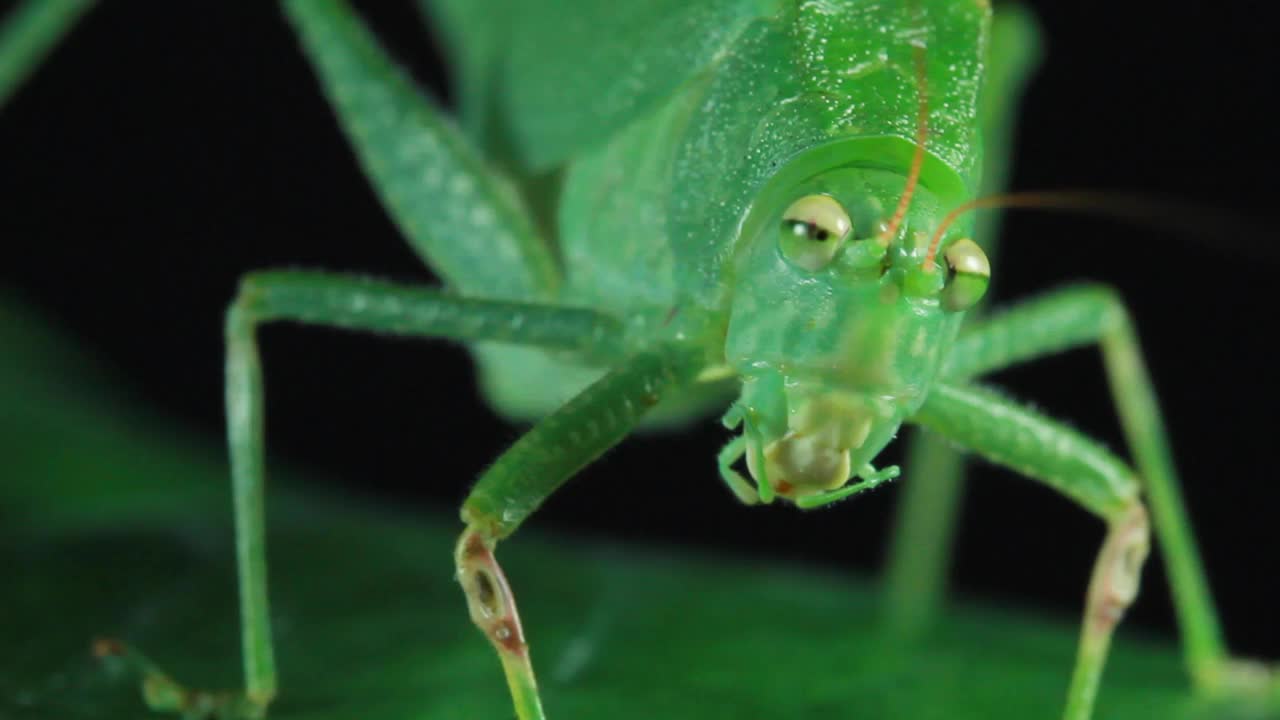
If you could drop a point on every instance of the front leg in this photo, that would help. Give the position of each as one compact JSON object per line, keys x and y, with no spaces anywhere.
{"x":1084,"y":471}
{"x":1090,"y":315}
{"x":529,"y":472}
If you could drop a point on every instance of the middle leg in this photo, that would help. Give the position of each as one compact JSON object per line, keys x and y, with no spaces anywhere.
{"x":355,"y":303}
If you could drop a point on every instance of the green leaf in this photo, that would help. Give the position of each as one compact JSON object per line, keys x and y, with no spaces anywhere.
{"x":29,"y":33}
{"x":116,"y":523}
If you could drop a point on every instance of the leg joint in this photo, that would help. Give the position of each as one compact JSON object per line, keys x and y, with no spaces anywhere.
{"x":1114,"y":310}
{"x":251,"y":289}
{"x":489,"y":597}
{"x":1119,"y":570}
{"x":251,"y":306}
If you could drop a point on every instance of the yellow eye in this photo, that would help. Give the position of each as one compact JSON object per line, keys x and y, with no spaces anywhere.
{"x":968,"y":275}
{"x":813,"y":229}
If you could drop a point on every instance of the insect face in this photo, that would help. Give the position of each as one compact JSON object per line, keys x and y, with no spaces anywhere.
{"x":837,"y":331}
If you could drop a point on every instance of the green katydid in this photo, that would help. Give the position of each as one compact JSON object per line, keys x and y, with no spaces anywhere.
{"x":756,"y":173}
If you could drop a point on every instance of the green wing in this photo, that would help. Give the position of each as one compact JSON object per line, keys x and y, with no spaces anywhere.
{"x":566,"y":76}
{"x":473,"y":33}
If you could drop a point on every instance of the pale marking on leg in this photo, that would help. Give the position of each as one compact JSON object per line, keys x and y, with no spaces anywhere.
{"x":493,"y":609}
{"x":1118,"y":571}
{"x":489,"y":597}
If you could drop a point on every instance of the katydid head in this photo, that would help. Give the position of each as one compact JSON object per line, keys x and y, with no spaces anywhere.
{"x":837,"y":330}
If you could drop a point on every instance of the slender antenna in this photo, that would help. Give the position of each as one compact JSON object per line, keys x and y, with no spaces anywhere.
{"x":1178,"y":217}
{"x":1070,"y":200}
{"x":917,"y":159}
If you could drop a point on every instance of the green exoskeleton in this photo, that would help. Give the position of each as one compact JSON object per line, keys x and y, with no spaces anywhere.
{"x":655,"y":210}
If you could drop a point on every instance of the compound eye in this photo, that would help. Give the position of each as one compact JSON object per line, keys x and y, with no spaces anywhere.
{"x":813,"y":229}
{"x":968,"y":275}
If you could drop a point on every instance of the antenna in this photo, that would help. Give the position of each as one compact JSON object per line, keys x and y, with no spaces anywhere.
{"x":1180,"y":219}
{"x":917,"y":159}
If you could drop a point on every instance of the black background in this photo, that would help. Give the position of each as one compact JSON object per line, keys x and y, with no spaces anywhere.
{"x":170,"y":147}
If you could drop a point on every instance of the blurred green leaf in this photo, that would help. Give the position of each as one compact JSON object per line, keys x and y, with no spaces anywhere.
{"x":116,"y":523}
{"x":28,"y":33}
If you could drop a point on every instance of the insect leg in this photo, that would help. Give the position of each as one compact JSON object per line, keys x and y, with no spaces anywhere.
{"x":738,"y":485}
{"x":358,"y":304}
{"x":28,"y":33}
{"x":923,"y":532}
{"x":1090,"y":315}
{"x":915,"y":578}
{"x":1083,"y":470}
{"x":868,"y":479}
{"x":534,"y":468}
